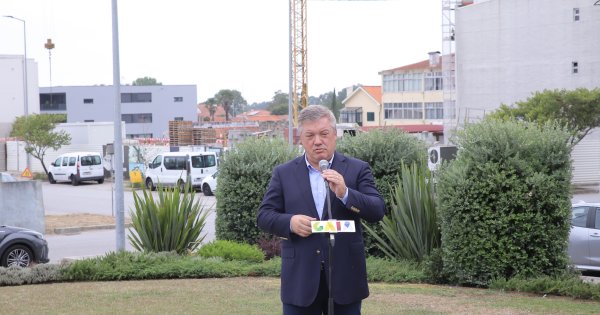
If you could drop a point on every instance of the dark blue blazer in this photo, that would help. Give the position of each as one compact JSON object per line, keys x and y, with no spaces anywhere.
{"x":288,"y":194}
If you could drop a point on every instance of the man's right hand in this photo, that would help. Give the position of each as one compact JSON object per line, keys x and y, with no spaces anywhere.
{"x":300,"y":224}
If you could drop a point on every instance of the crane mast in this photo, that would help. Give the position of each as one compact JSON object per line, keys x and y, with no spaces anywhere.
{"x":299,"y":86}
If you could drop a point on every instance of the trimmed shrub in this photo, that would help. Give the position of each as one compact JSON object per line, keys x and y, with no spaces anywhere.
{"x":504,"y":202}
{"x":244,"y":175}
{"x":231,"y":251}
{"x":173,"y":223}
{"x":36,"y":274}
{"x":270,"y":245}
{"x":385,"y":151}
{"x":410,"y":230}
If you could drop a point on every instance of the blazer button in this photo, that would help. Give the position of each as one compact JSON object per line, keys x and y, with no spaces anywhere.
{"x":318,"y":252}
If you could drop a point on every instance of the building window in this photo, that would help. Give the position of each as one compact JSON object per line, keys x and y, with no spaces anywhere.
{"x":53,"y":101}
{"x":403,"y":111}
{"x":433,"y":81}
{"x":575,"y":14}
{"x":136,"y":97}
{"x":402,"y":82}
{"x":88,"y":101}
{"x":434,"y":110}
{"x":138,"y":135}
{"x":351,"y":115}
{"x":370,"y":116}
{"x":178,"y":118}
{"x":88,"y":120}
{"x":145,"y":118}
{"x":178,"y":99}
{"x":575,"y":67}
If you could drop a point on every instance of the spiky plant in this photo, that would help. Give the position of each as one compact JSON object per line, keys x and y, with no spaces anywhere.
{"x":410,"y":230}
{"x":174,"y":222}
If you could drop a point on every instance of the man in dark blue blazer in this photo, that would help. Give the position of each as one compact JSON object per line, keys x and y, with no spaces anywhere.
{"x":296,"y":196}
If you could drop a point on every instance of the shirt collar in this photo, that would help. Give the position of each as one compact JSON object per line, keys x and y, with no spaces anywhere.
{"x":311,"y":167}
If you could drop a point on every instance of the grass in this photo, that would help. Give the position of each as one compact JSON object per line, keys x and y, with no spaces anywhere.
{"x":261,"y":296}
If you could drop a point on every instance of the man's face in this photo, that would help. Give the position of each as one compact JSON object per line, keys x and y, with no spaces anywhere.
{"x":318,"y":139}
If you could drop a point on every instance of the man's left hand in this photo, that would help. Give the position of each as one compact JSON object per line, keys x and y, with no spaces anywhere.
{"x":336,"y":182}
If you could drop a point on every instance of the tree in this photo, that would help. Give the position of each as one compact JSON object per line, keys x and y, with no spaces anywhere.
{"x":37,"y":132}
{"x":231,"y":101}
{"x":279,"y":104}
{"x":146,"y":81}
{"x":211,"y":105}
{"x":333,"y":106}
{"x":578,"y":109}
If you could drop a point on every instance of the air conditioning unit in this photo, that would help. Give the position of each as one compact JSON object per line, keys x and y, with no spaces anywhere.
{"x":438,"y":154}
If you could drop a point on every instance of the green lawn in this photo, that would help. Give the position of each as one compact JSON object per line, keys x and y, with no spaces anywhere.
{"x":261,"y":296}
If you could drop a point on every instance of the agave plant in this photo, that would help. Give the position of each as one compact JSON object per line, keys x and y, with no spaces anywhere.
{"x":174,"y":222}
{"x":411,"y":230}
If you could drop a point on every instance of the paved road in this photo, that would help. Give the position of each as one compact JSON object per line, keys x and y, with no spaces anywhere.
{"x":60,"y":199}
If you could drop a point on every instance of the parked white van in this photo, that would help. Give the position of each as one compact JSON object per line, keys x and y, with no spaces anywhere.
{"x":77,"y":167}
{"x":173,"y":168}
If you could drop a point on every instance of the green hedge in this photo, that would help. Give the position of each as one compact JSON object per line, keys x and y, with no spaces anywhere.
{"x":384,"y":150}
{"x":504,"y":202}
{"x":230,"y":250}
{"x":244,"y":175}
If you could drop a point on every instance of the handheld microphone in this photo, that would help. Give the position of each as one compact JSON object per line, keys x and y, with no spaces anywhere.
{"x":324,"y":165}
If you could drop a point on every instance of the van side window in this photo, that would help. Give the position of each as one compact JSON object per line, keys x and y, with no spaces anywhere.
{"x":175,"y":162}
{"x":156,"y":162}
{"x":579,"y":216}
{"x":65,"y":161}
{"x":209,"y":161}
{"x":90,"y":160}
{"x":72,"y":161}
{"x":57,"y":162}
{"x":197,"y":162}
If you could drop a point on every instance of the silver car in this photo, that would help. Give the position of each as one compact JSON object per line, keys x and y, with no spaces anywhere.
{"x":584,"y":239}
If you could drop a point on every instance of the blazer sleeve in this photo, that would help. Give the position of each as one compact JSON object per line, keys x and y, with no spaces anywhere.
{"x":365,"y":200}
{"x":271,"y":217}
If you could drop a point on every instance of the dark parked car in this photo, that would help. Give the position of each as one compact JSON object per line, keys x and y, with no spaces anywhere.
{"x":22,"y":247}
{"x":584,"y":239}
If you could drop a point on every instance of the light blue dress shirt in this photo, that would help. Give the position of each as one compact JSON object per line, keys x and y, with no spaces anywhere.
{"x":319,"y":188}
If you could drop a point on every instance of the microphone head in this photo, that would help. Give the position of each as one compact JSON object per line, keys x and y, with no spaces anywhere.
{"x":323,"y":165}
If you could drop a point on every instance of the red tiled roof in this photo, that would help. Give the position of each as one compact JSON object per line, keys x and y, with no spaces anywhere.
{"x":374,"y":91}
{"x":410,"y":128}
{"x":259,"y":115}
{"x":415,"y":66}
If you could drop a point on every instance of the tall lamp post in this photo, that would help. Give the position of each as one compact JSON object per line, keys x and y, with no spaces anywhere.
{"x":25,"y":89}
{"x":25,"y":100}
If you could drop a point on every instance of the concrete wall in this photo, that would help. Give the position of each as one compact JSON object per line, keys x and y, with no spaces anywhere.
{"x":22,"y":205}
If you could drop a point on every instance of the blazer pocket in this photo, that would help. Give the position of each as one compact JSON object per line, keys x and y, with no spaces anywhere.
{"x":287,"y":252}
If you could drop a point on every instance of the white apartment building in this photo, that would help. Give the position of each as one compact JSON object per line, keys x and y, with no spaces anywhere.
{"x":508,"y":49}
{"x":146,"y":110}
{"x":13,"y":81}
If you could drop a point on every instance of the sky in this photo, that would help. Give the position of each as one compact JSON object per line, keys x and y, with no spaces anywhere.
{"x":220,"y":44}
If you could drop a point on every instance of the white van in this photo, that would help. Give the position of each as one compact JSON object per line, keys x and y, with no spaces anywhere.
{"x":173,"y":168}
{"x":77,"y":167}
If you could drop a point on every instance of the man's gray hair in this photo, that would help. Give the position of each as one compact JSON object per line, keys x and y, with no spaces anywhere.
{"x":313,"y":113}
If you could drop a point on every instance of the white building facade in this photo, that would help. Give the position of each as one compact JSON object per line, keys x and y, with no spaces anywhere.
{"x":506,"y":50}
{"x":13,"y":83}
{"x":146,"y":110}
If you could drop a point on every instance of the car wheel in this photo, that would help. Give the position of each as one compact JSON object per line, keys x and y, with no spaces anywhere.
{"x":74,"y":180}
{"x":101,"y":181}
{"x":51,"y":179}
{"x":206,"y":190}
{"x":17,"y":255}
{"x":150,"y":184}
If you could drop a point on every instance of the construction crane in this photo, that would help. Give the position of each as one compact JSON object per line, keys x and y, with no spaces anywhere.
{"x":298,"y":58}
{"x":298,"y":97}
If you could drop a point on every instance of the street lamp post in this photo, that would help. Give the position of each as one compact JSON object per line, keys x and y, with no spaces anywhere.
{"x":25,"y":94}
{"x":25,"y":89}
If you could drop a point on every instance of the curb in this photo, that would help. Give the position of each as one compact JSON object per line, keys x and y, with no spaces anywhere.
{"x":78,"y":229}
